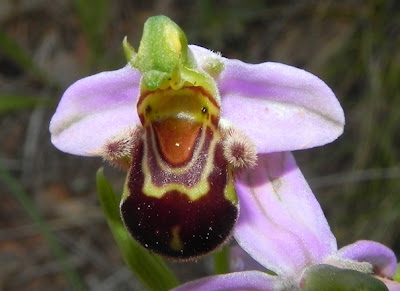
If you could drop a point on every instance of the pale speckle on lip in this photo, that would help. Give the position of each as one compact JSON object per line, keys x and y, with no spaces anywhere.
{"x":183,"y":115}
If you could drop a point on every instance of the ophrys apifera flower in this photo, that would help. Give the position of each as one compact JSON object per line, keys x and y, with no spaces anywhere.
{"x":183,"y":121}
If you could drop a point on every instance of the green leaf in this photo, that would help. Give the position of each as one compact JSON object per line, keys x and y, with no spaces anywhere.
{"x":330,"y":278}
{"x":221,"y":261}
{"x":27,"y":204}
{"x":10,"y":103}
{"x":149,"y":268}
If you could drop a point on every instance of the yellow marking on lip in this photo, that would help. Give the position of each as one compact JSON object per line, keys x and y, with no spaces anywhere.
{"x":186,"y":103}
{"x":176,"y":242}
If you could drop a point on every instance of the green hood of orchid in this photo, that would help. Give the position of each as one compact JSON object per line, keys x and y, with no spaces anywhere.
{"x":164,"y":60}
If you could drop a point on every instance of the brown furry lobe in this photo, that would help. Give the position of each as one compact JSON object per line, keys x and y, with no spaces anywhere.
{"x":118,"y":150}
{"x":238,"y":149}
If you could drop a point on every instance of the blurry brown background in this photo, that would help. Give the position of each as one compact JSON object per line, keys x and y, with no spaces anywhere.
{"x":47,"y":45}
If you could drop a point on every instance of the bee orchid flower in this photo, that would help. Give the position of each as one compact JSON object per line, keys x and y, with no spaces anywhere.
{"x":183,"y":122}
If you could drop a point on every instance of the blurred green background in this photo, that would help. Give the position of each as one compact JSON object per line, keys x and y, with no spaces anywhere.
{"x":52,"y":230}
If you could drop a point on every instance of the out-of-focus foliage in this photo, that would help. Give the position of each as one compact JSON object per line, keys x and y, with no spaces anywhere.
{"x":9,"y":103}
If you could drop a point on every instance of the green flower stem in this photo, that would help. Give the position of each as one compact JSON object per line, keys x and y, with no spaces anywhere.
{"x":149,"y":268}
{"x":27,"y":204}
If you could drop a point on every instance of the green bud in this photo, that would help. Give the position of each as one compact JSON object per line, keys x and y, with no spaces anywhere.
{"x":330,"y":278}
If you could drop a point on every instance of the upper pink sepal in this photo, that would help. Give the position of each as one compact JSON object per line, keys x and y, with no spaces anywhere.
{"x":280,"y":107}
{"x":94,"y":109}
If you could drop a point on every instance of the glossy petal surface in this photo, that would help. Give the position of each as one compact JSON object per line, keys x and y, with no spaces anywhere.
{"x":280,"y":107}
{"x":281,"y":224}
{"x":250,"y":280}
{"x":94,"y":109}
{"x":381,"y":257}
